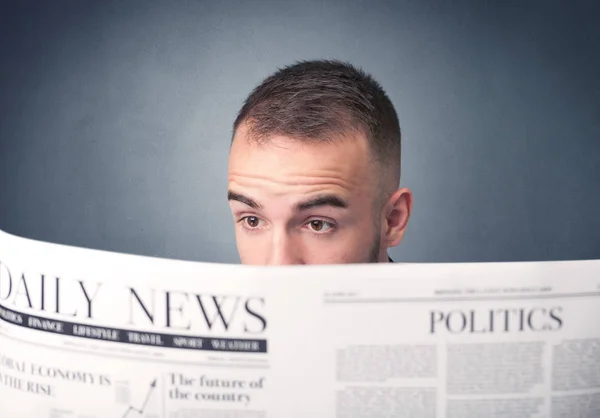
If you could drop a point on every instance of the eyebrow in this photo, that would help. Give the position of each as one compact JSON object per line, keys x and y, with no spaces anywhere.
{"x":319,"y":201}
{"x":243,"y":199}
{"x":323,"y":200}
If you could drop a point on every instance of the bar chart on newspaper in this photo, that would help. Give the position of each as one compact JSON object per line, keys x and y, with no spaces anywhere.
{"x":94,"y":334}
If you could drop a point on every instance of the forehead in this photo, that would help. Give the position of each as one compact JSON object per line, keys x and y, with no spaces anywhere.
{"x":285,"y":166}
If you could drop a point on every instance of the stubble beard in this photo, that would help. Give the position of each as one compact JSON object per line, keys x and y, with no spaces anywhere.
{"x":375,"y":247}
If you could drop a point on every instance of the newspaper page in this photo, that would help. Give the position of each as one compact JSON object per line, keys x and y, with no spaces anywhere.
{"x":93,"y":334}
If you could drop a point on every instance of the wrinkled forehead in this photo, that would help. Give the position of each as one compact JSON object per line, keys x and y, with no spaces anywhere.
{"x":285,"y":166}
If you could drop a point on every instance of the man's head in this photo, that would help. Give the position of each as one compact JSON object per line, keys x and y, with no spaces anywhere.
{"x":314,"y":169}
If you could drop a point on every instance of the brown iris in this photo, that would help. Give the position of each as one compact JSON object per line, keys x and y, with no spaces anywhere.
{"x":252,"y":221}
{"x":316,"y":225}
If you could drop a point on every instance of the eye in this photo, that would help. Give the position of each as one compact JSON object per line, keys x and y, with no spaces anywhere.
{"x":319,"y":225}
{"x":250,"y":222}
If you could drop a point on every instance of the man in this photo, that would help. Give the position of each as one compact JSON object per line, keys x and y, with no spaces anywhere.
{"x":314,"y":169}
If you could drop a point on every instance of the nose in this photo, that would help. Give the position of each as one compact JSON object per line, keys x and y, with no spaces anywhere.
{"x":283,"y":250}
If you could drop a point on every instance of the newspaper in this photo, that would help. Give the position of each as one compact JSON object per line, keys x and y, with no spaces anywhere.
{"x":94,"y":334}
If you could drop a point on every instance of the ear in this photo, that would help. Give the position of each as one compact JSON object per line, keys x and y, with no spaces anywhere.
{"x":396,"y":214}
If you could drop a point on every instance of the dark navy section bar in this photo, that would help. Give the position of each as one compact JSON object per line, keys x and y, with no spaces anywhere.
{"x":125,"y":336}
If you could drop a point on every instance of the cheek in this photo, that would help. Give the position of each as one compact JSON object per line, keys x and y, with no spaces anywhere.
{"x":350,"y":245}
{"x":251,"y":247}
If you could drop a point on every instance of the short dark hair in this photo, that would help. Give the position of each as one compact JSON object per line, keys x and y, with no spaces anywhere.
{"x":311,"y":100}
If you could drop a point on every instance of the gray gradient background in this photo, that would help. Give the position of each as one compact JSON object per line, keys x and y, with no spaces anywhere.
{"x":116,"y":118}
